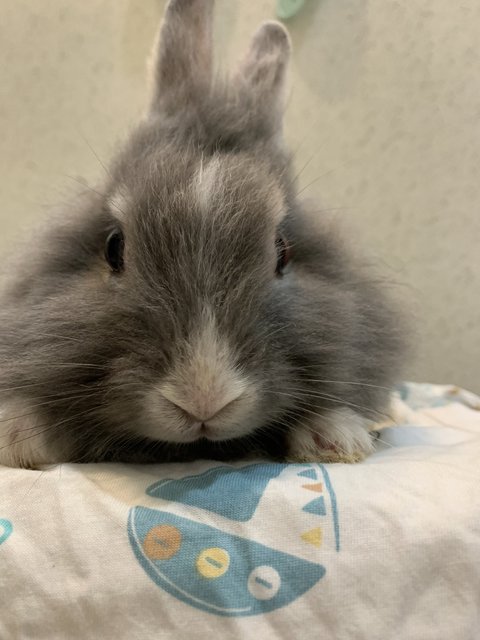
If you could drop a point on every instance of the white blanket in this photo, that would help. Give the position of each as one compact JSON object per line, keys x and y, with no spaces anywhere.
{"x":386,"y":549}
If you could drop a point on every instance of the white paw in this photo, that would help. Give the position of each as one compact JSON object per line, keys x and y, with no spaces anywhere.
{"x":338,"y":436}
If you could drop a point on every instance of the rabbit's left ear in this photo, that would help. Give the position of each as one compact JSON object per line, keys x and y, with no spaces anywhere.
{"x":181,"y":64}
{"x":263,"y":70}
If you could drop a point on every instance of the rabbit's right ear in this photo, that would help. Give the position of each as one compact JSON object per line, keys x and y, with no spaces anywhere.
{"x":181,"y":64}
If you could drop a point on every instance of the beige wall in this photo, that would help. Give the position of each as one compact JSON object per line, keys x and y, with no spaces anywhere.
{"x":384,"y":109}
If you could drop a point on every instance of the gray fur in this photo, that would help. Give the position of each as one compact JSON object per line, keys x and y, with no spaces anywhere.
{"x":79,"y":345}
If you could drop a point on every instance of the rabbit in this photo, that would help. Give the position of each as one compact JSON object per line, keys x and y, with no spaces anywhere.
{"x":191,"y":306}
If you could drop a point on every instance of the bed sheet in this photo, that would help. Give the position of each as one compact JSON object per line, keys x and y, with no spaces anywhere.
{"x":389,"y":548}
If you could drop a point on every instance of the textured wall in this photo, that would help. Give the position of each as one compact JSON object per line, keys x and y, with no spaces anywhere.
{"x":384,"y":117}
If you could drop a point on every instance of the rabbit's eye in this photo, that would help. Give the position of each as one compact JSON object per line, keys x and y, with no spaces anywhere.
{"x":283,"y":254}
{"x":114,"y":250}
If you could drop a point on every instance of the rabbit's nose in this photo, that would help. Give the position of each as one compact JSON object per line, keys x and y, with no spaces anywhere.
{"x":200,"y":410}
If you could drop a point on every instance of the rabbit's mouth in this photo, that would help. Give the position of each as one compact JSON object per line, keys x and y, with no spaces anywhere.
{"x":167,"y":421}
{"x":203,"y":430}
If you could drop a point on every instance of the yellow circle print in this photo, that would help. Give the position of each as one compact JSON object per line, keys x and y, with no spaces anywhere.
{"x":213,"y":562}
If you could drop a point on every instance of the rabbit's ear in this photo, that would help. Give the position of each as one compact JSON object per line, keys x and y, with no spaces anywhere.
{"x":181,"y":64}
{"x":263,"y":70}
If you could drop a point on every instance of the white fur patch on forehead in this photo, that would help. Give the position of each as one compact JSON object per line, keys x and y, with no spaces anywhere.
{"x":224,"y":179}
{"x":207,"y":182}
{"x":119,"y":203}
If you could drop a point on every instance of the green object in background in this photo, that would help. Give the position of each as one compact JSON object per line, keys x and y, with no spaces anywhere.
{"x":288,"y":8}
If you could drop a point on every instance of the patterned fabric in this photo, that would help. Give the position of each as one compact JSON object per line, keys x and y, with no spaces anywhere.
{"x":385,"y":549}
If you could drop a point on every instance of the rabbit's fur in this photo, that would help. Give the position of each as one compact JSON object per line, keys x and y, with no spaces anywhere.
{"x":197,"y":347}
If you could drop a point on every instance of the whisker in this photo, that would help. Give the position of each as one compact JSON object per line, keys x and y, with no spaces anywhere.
{"x":323,"y":175}
{"x":384,"y":442}
{"x":85,"y":185}
{"x":50,"y":427}
{"x":95,"y":154}
{"x":43,"y":404}
{"x":303,"y":396}
{"x":55,"y":335}
{"x":347,"y":382}
{"x":47,"y":365}
{"x":22,"y":386}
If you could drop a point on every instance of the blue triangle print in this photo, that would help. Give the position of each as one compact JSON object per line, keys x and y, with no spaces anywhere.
{"x":308,"y":473}
{"x":229,"y":491}
{"x":316,"y":506}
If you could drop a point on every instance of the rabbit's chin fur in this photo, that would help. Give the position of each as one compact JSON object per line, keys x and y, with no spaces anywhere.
{"x":224,"y":319}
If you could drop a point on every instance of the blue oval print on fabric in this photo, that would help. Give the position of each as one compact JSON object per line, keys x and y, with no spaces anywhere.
{"x":215,"y":570}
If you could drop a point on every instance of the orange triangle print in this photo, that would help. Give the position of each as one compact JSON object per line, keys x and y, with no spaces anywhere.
{"x":314,"y":536}
{"x":313,"y":487}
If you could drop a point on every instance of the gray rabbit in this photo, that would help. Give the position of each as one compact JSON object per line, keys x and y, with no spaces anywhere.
{"x":191,"y":306}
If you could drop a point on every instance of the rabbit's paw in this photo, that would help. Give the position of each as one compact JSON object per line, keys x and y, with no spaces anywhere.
{"x":23,"y":439}
{"x":339,"y":436}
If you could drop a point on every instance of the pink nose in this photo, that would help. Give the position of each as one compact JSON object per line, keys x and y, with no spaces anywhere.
{"x":203,"y":414}
{"x":201,"y":419}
